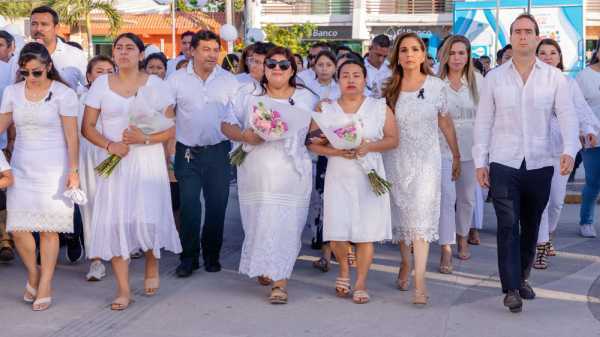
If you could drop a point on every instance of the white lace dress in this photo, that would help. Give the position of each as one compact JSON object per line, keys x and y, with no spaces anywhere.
{"x":414,"y":167}
{"x":274,"y":188}
{"x":352,"y":211}
{"x":132,"y":207}
{"x":35,"y":202}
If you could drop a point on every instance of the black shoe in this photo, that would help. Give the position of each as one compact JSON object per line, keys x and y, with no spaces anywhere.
{"x":513,"y":301}
{"x":213,"y":267}
{"x":526,"y":291}
{"x":195,"y":265}
{"x":184,"y":270}
{"x":6,"y":254}
{"x":74,"y":250}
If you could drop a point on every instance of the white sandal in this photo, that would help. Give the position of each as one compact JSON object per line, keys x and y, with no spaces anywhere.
{"x":29,"y":290}
{"x":41,"y":304}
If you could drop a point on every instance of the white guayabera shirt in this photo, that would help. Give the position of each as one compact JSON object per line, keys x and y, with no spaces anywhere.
{"x":513,"y":118}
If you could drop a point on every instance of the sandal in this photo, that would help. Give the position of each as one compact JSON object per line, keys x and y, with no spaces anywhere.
{"x":322,"y":264}
{"x":420,"y":298}
{"x":402,"y":284}
{"x":474,"y":237}
{"x":550,"y":251}
{"x":360,"y":297}
{"x":151,"y":286}
{"x":342,"y":286}
{"x":30,"y":293}
{"x":541,"y":261}
{"x":278,"y":295}
{"x":41,"y":304}
{"x":445,"y":269}
{"x":264,"y":281}
{"x":120,"y":304}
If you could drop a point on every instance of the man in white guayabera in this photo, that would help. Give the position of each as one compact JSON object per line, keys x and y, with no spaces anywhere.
{"x":513,"y":151}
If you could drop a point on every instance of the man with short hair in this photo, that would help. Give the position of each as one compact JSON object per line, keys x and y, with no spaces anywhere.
{"x":202,"y":91}
{"x":185,"y":54}
{"x":513,"y":151}
{"x":7,"y":46}
{"x":309,"y":74}
{"x":376,"y":63}
{"x":486,"y":61}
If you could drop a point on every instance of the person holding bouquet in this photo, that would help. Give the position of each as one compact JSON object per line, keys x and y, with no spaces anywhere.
{"x":132,"y":205}
{"x":44,"y":163}
{"x":274,"y":179}
{"x":352,"y":211}
{"x":414,"y":168}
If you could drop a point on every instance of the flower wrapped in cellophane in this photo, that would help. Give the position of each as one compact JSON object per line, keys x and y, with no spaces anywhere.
{"x":146,"y":112}
{"x":344,"y":132}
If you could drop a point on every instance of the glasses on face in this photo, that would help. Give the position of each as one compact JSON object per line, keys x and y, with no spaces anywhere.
{"x":34,"y":73}
{"x":283,"y":64}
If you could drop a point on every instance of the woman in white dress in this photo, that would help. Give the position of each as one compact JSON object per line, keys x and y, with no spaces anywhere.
{"x":274,"y":181}
{"x":550,"y":53}
{"x":414,"y":167}
{"x":44,"y":111}
{"x":132,"y":206}
{"x":458,"y":197}
{"x":352,"y":211}
{"x":89,"y":157}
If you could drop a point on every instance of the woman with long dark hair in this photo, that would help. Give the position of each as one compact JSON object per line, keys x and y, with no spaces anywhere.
{"x":274,"y":181}
{"x":549,"y":52}
{"x":420,"y":104}
{"x":458,"y":197}
{"x":44,"y":111}
{"x":132,"y":206}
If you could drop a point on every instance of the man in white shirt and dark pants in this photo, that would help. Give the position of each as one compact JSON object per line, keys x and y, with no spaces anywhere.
{"x":378,"y":70}
{"x":512,"y":136}
{"x":202,"y":92}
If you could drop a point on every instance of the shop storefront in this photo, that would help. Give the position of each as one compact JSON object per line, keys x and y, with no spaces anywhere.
{"x":432,"y":35}
{"x":336,"y":36}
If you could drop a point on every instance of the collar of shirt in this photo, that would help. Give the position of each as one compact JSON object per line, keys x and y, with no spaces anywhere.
{"x":511,"y":67}
{"x":213,"y":74}
{"x":463,"y":82}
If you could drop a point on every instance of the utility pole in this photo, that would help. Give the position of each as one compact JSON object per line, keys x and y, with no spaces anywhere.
{"x":174,"y":28}
{"x":229,"y":21}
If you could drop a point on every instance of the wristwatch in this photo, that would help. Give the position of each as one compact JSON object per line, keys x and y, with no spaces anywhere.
{"x":147,"y":140}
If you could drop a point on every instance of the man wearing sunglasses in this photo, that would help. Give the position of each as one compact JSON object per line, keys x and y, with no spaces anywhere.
{"x":202,"y":91}
{"x":309,"y":74}
{"x":70,"y":62}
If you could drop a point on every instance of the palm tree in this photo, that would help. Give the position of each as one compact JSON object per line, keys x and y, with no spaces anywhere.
{"x":72,"y":12}
{"x":11,"y":9}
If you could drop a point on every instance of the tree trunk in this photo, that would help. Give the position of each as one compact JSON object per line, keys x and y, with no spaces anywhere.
{"x":88,"y":29}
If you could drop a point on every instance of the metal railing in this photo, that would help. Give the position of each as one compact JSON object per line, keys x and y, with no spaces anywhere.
{"x":409,"y":6}
{"x":306,"y":7}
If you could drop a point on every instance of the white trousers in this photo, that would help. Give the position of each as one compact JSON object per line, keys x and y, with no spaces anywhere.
{"x":551,"y":214}
{"x":458,"y":202}
{"x":479,"y":203}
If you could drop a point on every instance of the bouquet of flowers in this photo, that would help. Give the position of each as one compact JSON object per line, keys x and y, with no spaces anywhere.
{"x":344,"y":132}
{"x":271,"y":121}
{"x":146,"y":112}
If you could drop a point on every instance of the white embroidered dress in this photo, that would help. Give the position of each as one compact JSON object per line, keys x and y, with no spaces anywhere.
{"x":352,"y":211}
{"x":132,"y":207}
{"x":35,"y":203}
{"x":414,"y":167}
{"x":274,"y":188}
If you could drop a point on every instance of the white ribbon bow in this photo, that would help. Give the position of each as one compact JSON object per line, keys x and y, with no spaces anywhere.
{"x":76,"y":195}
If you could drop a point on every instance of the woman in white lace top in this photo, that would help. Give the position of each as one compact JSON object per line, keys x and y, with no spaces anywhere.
{"x":414,"y":168}
{"x":458,"y":197}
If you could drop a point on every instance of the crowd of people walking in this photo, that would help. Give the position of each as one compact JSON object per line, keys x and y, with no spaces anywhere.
{"x":121,"y":156}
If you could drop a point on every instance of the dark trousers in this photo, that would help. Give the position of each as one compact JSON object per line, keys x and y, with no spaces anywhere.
{"x":519,"y":197}
{"x":206,"y":170}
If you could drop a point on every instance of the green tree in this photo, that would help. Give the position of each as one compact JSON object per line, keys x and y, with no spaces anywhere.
{"x":292,"y":37}
{"x":12,"y":9}
{"x":73,"y":12}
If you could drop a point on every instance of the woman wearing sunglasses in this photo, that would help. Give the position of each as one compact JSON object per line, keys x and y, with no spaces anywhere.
{"x":45,"y":163}
{"x":274,"y":181}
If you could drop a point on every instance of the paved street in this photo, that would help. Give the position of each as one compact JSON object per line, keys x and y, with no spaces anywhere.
{"x":226,"y":304}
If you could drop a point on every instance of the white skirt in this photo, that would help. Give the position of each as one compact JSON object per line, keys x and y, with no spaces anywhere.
{"x":352,"y":211}
{"x":132,"y":207}
{"x":274,"y":199}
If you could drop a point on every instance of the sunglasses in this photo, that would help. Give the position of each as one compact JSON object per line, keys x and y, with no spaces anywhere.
{"x":34,"y":73}
{"x":283,"y":64}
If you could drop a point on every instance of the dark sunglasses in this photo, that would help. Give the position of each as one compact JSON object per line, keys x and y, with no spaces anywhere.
{"x":34,"y":73}
{"x":283,"y":64}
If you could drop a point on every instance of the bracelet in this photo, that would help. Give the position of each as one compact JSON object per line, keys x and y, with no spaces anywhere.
{"x":108,"y":146}
{"x":74,"y":170}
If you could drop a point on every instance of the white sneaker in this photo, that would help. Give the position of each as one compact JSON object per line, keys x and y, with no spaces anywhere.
{"x":97,"y":271}
{"x":587,"y":231}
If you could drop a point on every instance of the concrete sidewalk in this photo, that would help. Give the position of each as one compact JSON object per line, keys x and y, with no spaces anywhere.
{"x":226,"y":304}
